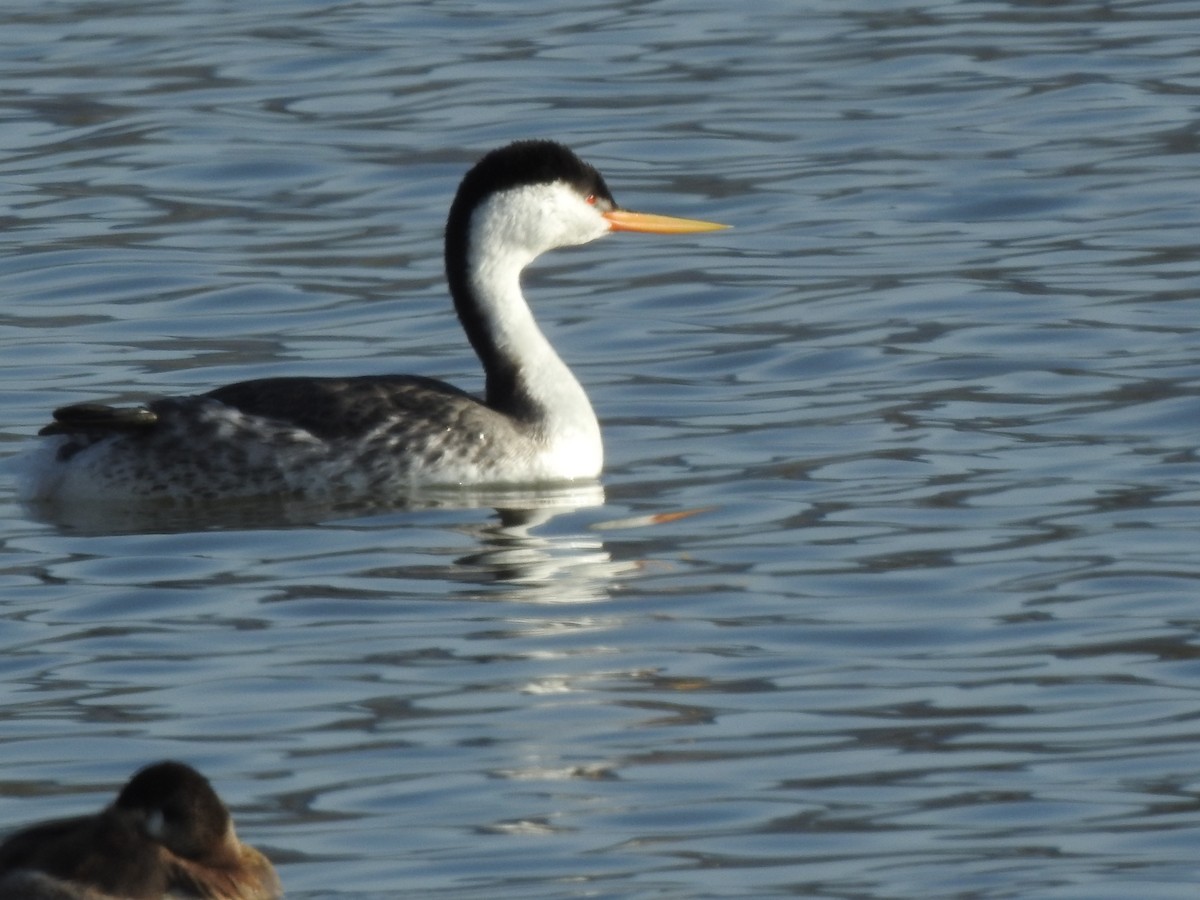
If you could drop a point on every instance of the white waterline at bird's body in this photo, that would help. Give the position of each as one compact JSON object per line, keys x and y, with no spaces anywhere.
{"x":351,"y":437}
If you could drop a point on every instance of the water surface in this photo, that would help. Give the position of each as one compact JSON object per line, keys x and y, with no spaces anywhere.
{"x":928,"y":628}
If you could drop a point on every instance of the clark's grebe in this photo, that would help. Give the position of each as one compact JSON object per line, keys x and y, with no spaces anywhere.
{"x":378,"y":435}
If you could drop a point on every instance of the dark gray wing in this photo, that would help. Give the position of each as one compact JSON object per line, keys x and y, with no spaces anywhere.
{"x":333,"y":408}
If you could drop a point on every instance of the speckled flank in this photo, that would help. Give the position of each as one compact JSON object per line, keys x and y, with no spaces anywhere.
{"x":202,"y":449}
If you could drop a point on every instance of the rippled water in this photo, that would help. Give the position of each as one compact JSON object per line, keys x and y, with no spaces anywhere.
{"x":928,"y":627}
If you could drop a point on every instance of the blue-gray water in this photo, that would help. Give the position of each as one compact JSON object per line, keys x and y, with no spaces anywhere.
{"x":931,"y":630}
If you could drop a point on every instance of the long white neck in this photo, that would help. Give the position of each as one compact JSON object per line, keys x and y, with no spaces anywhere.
{"x":526,"y":378}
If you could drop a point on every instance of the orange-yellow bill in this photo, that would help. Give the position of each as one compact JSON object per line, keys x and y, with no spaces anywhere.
{"x":624,"y":220}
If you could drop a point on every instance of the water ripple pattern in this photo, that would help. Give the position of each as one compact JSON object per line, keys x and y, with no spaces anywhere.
{"x":892,"y":589}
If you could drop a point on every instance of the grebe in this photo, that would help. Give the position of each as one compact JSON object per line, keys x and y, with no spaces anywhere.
{"x":166,"y":835}
{"x":379,"y":435}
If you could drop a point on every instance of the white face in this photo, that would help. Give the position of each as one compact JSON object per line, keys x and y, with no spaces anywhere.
{"x":529,"y":220}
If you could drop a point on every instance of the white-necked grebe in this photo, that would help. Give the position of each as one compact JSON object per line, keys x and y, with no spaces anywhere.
{"x":378,"y":435}
{"x":166,"y":835}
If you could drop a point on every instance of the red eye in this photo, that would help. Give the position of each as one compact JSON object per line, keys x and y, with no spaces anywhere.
{"x":590,"y":199}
